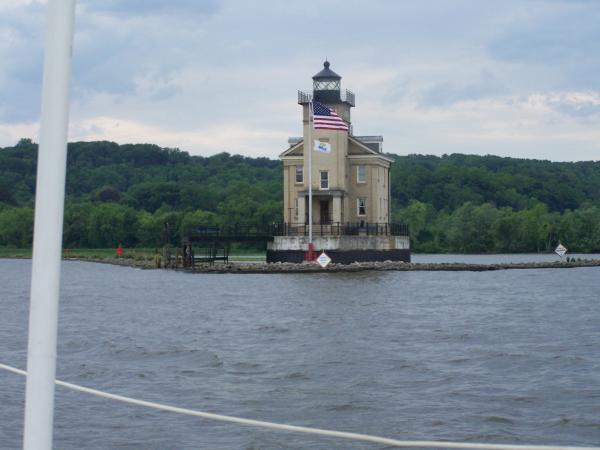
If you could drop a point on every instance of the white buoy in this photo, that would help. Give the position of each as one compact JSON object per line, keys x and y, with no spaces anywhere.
{"x":47,"y":236}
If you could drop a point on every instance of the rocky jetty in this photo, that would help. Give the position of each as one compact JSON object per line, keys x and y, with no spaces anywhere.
{"x":354,"y":267}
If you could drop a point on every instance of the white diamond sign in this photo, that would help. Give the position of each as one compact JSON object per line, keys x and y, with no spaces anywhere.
{"x":323,"y":260}
{"x":560,"y":250}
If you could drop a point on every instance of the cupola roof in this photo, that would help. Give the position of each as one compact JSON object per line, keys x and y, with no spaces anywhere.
{"x":326,"y":73}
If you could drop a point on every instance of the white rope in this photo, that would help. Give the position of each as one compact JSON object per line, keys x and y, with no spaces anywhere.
{"x":297,"y":429}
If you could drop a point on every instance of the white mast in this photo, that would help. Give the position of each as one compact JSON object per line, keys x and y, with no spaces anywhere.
{"x":308,"y":148}
{"x":47,"y":241}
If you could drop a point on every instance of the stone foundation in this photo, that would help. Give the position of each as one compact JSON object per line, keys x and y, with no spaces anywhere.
{"x":341,"y":249}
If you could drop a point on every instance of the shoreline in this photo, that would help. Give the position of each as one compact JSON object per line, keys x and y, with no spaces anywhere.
{"x":264,"y":268}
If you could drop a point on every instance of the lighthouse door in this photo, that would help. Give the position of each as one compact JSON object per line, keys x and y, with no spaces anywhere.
{"x":324,"y":212}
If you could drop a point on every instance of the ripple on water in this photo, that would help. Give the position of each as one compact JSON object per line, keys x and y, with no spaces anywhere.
{"x":577,"y":422}
{"x":498,"y":419}
{"x":272,"y":329}
{"x":297,"y":376}
{"x":348,"y":407}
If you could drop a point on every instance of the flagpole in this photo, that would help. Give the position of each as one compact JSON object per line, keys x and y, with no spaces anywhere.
{"x":47,"y":236}
{"x":308,"y":147}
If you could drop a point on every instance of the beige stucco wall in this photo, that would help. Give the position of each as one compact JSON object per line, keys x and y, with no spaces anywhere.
{"x":375,"y":189}
{"x":334,"y":162}
{"x":291,"y":190}
{"x":341,"y":163}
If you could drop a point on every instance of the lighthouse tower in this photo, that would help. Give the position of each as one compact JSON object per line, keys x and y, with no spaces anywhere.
{"x":328,"y":166}
{"x":346,"y":206}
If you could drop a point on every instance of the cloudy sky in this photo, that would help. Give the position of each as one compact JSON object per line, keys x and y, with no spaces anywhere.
{"x":509,"y":77}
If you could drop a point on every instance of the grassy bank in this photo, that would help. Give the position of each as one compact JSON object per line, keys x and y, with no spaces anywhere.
{"x":240,"y":255}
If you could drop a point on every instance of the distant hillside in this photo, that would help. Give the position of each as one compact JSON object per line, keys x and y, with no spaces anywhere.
{"x":143,"y":176}
{"x":448,"y":182}
{"x":123,"y":193}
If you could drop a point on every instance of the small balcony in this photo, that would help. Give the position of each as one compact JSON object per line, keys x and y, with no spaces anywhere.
{"x":346,"y":96}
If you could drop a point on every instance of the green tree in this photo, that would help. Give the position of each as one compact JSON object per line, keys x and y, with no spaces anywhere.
{"x":16,"y":226}
{"x":111,"y":224}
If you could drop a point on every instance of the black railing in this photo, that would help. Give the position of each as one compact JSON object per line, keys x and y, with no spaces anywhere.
{"x":341,"y":229}
{"x":265,"y":233}
{"x":231,"y":232}
{"x":304,"y":97}
{"x":346,"y":96}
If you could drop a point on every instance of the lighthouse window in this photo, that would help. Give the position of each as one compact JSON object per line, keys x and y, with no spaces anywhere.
{"x":324,"y":179}
{"x":362,"y":206}
{"x":361,"y":174}
{"x":299,"y":174}
{"x":327,"y":85}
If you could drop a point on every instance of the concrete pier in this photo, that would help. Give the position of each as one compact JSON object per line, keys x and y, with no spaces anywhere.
{"x":341,"y":249}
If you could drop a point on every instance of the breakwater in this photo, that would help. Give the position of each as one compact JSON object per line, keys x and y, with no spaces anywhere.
{"x":354,"y":267}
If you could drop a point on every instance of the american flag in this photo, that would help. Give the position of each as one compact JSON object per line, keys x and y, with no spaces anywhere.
{"x":325,"y":118}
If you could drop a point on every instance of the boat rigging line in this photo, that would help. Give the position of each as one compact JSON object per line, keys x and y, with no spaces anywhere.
{"x":299,"y":429}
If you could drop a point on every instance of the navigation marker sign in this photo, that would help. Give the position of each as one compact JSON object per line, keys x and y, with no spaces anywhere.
{"x":560,"y":250}
{"x":323,"y":260}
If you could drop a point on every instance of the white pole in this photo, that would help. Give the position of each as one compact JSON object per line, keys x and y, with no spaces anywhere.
{"x":47,"y":240}
{"x":309,"y":149}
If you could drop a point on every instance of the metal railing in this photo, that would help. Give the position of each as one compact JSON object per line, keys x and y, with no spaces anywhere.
{"x":341,"y":229}
{"x":242,"y":232}
{"x":346,"y":96}
{"x":230,"y":232}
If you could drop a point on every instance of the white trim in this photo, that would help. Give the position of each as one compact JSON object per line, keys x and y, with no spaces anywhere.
{"x":321,"y":180}
{"x":377,"y":156}
{"x":363,"y":146}
{"x":358,"y":180}
{"x":296,"y":174}
{"x":291,"y":149}
{"x":369,"y":151}
{"x":358,"y":199}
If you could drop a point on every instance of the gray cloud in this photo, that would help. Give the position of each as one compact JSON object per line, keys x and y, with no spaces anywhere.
{"x":21,"y":59}
{"x":444,"y":94}
{"x":140,"y":8}
{"x":584,"y":107}
{"x":231,"y":68}
{"x":560,"y":37}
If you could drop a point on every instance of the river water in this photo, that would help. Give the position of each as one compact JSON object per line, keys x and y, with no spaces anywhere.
{"x":506,"y":356}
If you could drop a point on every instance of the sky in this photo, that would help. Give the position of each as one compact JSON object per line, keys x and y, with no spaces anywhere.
{"x":517,"y":78}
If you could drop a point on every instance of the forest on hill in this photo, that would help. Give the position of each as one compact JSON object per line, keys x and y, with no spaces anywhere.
{"x":454,"y":203}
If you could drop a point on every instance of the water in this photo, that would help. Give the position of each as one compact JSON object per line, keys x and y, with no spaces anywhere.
{"x":506,"y":357}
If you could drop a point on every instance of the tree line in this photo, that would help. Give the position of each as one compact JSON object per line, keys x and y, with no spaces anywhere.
{"x":486,"y":228}
{"x":454,"y":203}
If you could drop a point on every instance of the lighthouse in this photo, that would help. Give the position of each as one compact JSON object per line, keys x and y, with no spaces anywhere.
{"x":336,"y":185}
